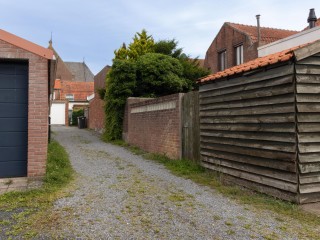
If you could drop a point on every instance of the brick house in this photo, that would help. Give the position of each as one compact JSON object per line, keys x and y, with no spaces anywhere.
{"x":96,"y":118}
{"x":26,"y":77}
{"x":237,"y":43}
{"x":73,"y":85}
{"x":68,"y":94}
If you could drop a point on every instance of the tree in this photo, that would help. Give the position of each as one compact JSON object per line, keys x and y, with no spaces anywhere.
{"x":121,"y":53}
{"x":191,"y":68}
{"x":142,"y":44}
{"x":158,"y":75}
{"x":146,"y":69}
{"x":168,"y":47}
{"x":120,"y":84}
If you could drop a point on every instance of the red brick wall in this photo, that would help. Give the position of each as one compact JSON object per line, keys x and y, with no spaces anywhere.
{"x":38,"y":106}
{"x":227,"y":39}
{"x":156,"y":131}
{"x":96,"y":119}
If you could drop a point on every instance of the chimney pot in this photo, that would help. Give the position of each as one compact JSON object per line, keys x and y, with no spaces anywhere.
{"x":258,"y":28}
{"x":312,"y":18}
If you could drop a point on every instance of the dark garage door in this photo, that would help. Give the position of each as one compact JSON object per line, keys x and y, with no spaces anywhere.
{"x":13,"y":119}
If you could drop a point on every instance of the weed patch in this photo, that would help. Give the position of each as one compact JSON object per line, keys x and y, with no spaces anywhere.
{"x":35,"y":202}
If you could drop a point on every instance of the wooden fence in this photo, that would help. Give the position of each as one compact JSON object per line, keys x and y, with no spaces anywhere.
{"x":262,"y":129}
{"x":190,"y":126}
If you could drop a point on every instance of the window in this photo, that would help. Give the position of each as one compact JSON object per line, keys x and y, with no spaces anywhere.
{"x":239,"y":54}
{"x":222,"y":60}
{"x":70,"y":97}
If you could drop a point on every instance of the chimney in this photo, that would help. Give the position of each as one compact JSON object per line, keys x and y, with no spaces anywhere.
{"x":312,"y":18}
{"x":258,"y":28}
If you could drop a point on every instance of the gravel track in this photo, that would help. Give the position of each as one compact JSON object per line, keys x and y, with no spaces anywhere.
{"x":119,"y":195}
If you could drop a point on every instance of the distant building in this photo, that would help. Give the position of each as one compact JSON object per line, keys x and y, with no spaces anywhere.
{"x":96,"y":112}
{"x":73,"y":85}
{"x":237,"y":43}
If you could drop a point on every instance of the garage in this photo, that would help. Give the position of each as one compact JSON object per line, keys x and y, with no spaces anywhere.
{"x":58,"y":113}
{"x":13,"y":119}
{"x":27,"y":73}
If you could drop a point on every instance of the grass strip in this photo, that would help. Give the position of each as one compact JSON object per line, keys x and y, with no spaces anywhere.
{"x":34,"y":202}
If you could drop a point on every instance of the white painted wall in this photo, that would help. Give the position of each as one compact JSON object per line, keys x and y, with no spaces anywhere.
{"x":58,"y":113}
{"x":300,"y":38}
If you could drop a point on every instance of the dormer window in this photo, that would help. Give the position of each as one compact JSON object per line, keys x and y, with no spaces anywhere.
{"x":70,"y":97}
{"x":239,"y":54}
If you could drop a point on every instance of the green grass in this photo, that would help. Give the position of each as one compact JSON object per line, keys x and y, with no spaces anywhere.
{"x":35,"y":202}
{"x":192,"y":170}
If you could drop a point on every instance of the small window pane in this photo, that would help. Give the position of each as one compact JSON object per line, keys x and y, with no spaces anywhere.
{"x":239,"y":55}
{"x":69,"y":97}
{"x":222,"y":60}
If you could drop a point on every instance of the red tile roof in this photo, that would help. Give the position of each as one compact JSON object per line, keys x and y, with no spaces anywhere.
{"x":268,"y":35}
{"x":57,"y":84}
{"x":282,"y":56}
{"x":80,"y":90}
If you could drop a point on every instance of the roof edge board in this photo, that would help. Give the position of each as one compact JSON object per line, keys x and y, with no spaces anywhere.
{"x":307,"y":51}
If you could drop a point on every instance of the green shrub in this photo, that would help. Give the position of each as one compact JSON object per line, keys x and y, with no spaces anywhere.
{"x":75,"y":115}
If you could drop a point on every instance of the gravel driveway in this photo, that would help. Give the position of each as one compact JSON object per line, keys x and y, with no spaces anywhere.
{"x":119,"y":195}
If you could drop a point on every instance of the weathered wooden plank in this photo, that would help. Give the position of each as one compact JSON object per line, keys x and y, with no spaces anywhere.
{"x":271,"y":109}
{"x":309,"y":88}
{"x":311,"y":98}
{"x":250,"y":152}
{"x":258,"y":161}
{"x":276,"y":118}
{"x":310,"y":188}
{"x":274,"y":73}
{"x":276,"y":146}
{"x":307,"y":69}
{"x":308,"y":118}
{"x":247,"y":87}
{"x":250,"y":127}
{"x":313,"y":60}
{"x":301,"y":78}
{"x":309,"y":137}
{"x":288,"y":196}
{"x":288,"y":98}
{"x":218,"y":96}
{"x":286,"y":186}
{"x":266,"y":136}
{"x":309,"y":147}
{"x":309,"y":167}
{"x":307,"y":51}
{"x":309,"y":198}
{"x":190,"y":126}
{"x":309,"y":157}
{"x":309,"y":178}
{"x":309,"y":128}
{"x":308,"y":107}
{"x":272,"y":173}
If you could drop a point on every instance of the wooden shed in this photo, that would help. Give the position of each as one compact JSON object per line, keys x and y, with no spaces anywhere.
{"x":25,"y":71}
{"x":260,"y":123}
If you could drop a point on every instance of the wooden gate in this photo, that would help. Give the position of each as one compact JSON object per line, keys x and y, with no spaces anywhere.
{"x":190,"y":126}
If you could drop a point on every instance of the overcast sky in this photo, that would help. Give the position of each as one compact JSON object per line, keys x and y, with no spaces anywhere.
{"x":93,"y":29}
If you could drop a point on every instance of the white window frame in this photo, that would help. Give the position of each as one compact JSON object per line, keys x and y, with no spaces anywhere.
{"x":222,"y":60}
{"x":69,"y":96}
{"x":239,"y":54}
